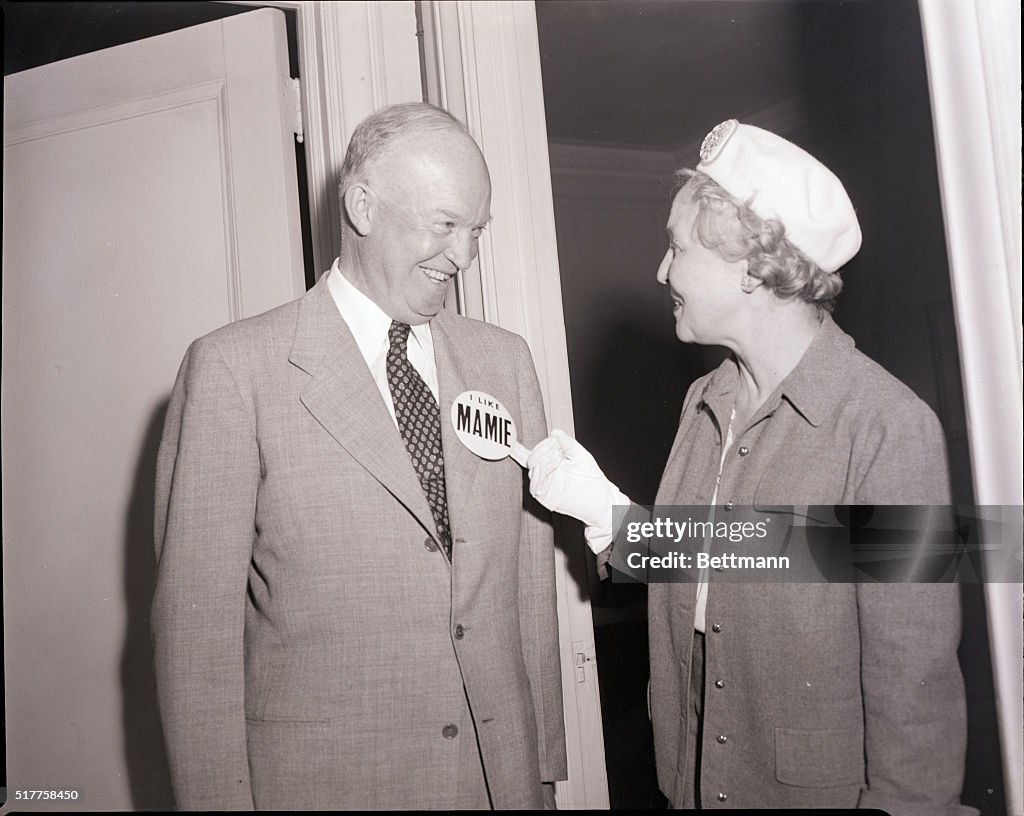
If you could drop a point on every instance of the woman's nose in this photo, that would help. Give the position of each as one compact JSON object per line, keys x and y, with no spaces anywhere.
{"x":663,"y":268}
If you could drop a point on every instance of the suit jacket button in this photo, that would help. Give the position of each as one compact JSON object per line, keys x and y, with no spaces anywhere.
{"x":460,"y":633}
{"x":430,"y":544}
{"x":716,"y":627}
{"x":730,"y":504}
{"x":450,"y":731}
{"x":719,"y":684}
{"x":722,"y":797}
{"x":722,"y":739}
{"x":744,"y":450}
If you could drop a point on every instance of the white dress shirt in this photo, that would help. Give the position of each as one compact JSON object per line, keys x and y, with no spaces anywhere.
{"x":369,"y":326}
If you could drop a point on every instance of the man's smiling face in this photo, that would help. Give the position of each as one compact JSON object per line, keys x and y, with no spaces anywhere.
{"x":429,"y":199}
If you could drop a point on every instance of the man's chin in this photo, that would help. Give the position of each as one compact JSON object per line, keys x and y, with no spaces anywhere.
{"x":427,"y":309}
{"x":422,"y":315}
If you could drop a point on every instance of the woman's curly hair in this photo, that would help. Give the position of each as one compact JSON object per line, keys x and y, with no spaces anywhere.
{"x":732,"y":229}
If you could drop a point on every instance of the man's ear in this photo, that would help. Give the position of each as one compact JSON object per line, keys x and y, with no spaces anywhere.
{"x":359,"y":208}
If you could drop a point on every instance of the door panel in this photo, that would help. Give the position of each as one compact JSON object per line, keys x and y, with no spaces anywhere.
{"x":149,"y":197}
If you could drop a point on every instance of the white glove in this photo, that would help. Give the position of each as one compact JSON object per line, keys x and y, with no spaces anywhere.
{"x":565,"y":478}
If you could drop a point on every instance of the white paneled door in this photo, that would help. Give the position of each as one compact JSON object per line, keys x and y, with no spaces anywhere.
{"x":149,"y":197}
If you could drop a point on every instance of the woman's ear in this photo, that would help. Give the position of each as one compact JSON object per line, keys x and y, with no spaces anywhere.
{"x":359,"y":207}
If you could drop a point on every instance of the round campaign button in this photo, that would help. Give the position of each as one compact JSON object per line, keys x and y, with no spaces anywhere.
{"x":486,"y":427}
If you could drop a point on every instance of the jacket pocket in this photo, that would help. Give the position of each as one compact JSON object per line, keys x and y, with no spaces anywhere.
{"x":819,"y":759}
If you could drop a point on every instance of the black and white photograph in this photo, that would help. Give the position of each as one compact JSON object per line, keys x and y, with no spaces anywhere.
{"x":512,"y":404}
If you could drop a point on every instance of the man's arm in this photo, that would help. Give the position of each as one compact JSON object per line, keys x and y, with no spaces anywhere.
{"x":915,"y":722}
{"x":538,"y":617}
{"x":207,"y":474}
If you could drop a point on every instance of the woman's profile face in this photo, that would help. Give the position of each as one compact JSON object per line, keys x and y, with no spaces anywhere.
{"x":705,"y":288}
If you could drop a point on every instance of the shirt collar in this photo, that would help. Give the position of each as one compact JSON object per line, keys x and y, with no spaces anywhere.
{"x":813,"y":387}
{"x":821,"y":378}
{"x":368,"y":323}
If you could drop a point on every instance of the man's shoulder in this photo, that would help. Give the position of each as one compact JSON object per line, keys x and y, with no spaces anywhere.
{"x":265,"y":331}
{"x":249,"y":347}
{"x":267,"y":323}
{"x":471,"y":338}
{"x":468,"y":327}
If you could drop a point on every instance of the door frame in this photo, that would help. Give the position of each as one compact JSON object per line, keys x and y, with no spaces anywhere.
{"x":972,"y":48}
{"x":354,"y":57}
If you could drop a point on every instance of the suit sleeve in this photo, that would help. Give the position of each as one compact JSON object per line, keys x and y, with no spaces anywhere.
{"x":538,"y":605}
{"x":915,"y":722}
{"x":207,"y":475}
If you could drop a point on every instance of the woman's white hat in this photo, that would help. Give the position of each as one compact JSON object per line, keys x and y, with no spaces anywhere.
{"x":782,"y":181}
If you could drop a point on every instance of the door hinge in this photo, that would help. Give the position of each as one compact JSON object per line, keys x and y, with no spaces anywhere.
{"x":297,"y":98}
{"x":582,"y":654}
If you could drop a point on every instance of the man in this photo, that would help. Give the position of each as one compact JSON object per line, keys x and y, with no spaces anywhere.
{"x":352,"y":611}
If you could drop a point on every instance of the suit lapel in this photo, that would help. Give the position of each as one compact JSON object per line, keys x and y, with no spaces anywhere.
{"x":342,"y":396}
{"x":455,"y":373}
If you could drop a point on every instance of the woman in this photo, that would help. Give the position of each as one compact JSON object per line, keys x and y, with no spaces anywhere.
{"x":784,"y":694}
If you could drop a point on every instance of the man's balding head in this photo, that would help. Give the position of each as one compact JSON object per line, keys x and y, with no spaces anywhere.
{"x":415,"y":196}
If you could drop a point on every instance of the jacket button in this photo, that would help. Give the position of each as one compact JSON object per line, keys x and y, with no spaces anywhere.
{"x":460,"y":633}
{"x":730,"y":504}
{"x":430,"y":544}
{"x":450,"y":731}
{"x":743,"y":451}
{"x":716,"y":627}
{"x":722,"y":797}
{"x":719,"y":684}
{"x":722,"y":739}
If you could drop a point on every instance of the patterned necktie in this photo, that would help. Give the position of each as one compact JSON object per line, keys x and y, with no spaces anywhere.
{"x":419,"y":420}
